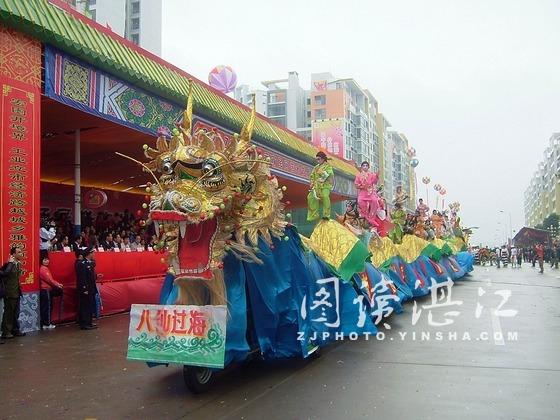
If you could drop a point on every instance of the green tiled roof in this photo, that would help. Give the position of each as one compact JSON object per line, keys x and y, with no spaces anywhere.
{"x":53,"y":25}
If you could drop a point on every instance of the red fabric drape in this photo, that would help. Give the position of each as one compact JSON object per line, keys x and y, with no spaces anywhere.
{"x":128,"y":277}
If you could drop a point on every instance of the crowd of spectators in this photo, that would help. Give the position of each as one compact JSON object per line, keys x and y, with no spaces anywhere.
{"x":102,"y":231}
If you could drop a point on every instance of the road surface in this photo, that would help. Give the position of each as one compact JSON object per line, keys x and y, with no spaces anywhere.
{"x":470,"y":371}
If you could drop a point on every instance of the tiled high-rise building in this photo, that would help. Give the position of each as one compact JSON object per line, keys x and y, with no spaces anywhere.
{"x":139,"y":21}
{"x":542,"y":196}
{"x":341,"y":117}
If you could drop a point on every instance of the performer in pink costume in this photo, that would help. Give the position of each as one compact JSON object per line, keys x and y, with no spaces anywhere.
{"x":382,"y":223}
{"x":366,"y":182}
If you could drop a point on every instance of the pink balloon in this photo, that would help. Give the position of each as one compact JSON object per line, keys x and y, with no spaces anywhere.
{"x":222,"y":78}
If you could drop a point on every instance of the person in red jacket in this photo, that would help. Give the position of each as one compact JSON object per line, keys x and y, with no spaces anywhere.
{"x":49,"y":288}
{"x":539,"y":250}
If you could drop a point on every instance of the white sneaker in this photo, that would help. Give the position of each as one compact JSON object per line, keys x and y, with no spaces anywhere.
{"x":50,"y":327}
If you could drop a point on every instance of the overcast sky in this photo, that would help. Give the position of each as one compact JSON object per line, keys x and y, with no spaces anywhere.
{"x":474,"y":85}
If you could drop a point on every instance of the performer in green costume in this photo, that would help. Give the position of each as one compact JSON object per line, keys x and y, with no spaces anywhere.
{"x":320,"y":191}
{"x":398,"y":217}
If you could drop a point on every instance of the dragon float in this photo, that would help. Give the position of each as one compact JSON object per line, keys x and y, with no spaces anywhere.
{"x":219,"y":216}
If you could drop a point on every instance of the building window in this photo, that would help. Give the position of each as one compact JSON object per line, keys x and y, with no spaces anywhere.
{"x":320,"y":100}
{"x":279,"y":120}
{"x":136,"y":23}
{"x":276,"y":97}
{"x":320,"y":114}
{"x":136,"y":39}
{"x":92,"y":2}
{"x":276,"y":110}
{"x":135,"y":7}
{"x":308,"y":114}
{"x":93,"y":14}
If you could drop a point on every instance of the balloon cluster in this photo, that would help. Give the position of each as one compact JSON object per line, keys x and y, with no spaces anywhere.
{"x":443,"y":191}
{"x":222,"y":78}
{"x":437,"y":187}
{"x":456,"y":206}
{"x":426,"y":180}
{"x":411,"y":152}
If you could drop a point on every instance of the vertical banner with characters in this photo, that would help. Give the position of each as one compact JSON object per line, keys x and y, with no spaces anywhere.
{"x":329,"y":135}
{"x":188,"y":335}
{"x":20,"y":175}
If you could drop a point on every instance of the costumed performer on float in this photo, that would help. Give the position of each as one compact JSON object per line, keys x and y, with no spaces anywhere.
{"x":437,"y":222}
{"x":382,"y":222}
{"x":398,"y":217}
{"x":320,"y":189}
{"x":368,"y":200}
{"x":400,"y":197}
{"x":422,"y":209}
{"x":351,"y":219}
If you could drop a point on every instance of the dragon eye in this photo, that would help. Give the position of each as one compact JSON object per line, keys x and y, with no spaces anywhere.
{"x":166,"y":168}
{"x":210,"y":167}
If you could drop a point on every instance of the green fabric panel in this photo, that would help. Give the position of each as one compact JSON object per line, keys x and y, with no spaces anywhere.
{"x":432,"y":251}
{"x":386,"y":265}
{"x":446,"y":249}
{"x":354,"y":261}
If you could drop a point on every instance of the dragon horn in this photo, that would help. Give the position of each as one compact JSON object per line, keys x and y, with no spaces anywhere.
{"x":187,"y":115}
{"x":247,"y":130}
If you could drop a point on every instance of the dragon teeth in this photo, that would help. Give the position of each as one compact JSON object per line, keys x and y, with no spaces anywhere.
{"x":183,"y":228}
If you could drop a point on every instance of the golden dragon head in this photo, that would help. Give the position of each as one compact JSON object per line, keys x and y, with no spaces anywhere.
{"x":212,"y":196}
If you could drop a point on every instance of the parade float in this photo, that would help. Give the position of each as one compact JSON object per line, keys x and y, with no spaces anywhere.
{"x":242,"y":282}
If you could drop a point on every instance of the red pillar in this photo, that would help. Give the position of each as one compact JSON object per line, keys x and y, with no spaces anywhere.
{"x":20,"y":160}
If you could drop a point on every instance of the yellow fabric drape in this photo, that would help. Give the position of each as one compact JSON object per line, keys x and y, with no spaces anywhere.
{"x":411,"y":247}
{"x":382,"y":251}
{"x":332,"y":242}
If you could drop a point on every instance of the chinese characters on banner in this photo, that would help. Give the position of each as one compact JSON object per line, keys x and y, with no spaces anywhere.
{"x":329,"y":135}
{"x":20,"y":177}
{"x":189,"y":335}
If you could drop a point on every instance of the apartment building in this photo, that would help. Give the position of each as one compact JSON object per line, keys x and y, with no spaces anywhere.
{"x":542,"y":196}
{"x":139,"y":21}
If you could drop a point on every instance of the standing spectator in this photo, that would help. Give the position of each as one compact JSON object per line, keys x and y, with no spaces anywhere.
{"x":85,"y":270}
{"x":49,"y":289}
{"x":11,"y":272}
{"x":519,"y":257}
{"x":513,"y":257}
{"x":539,"y":253}
{"x":85,"y":235}
{"x":47,"y":234}
{"x":505,"y":256}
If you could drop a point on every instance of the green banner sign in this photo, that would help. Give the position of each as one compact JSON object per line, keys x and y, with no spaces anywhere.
{"x":188,"y":335}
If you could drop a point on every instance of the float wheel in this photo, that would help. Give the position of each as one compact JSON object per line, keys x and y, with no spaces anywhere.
{"x":198,"y":379}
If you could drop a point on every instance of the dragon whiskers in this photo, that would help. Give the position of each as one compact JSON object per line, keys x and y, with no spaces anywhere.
{"x":141,"y":164}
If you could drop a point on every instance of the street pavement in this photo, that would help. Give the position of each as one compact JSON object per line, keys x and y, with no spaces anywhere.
{"x":470,"y":371}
